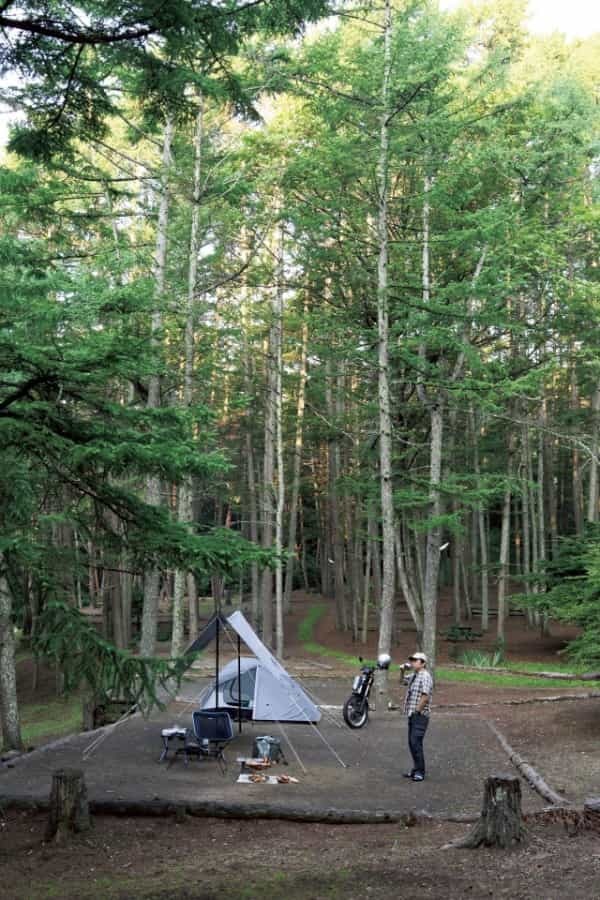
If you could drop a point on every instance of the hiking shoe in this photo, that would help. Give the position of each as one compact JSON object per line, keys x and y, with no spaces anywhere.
{"x":418,"y":777}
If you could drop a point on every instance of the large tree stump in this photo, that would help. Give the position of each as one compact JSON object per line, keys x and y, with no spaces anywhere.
{"x":69,"y":809}
{"x":501,"y":821}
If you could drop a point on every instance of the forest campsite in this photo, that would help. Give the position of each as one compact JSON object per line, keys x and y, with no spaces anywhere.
{"x":299,"y":449}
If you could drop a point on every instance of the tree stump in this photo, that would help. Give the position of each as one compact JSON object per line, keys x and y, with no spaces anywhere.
{"x":591,"y":813}
{"x":501,"y":821}
{"x":69,"y":809}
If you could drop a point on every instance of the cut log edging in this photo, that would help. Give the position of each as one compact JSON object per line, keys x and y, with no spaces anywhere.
{"x":315,"y":815}
{"x":231,"y":810}
{"x":500,"y":670}
{"x":557,"y":698}
{"x":531,"y":776}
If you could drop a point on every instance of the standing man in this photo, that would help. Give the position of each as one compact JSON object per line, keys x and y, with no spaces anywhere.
{"x":417,"y":708}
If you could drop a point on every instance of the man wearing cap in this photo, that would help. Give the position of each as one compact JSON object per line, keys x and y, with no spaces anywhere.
{"x":417,"y":708}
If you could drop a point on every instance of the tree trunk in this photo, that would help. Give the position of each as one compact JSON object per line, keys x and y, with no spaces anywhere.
{"x":367,"y":578}
{"x":503,"y":574}
{"x":9,"y":708}
{"x":386,"y":611}
{"x":301,"y":403}
{"x":501,"y":821}
{"x":592,"y":507}
{"x":153,"y":483}
{"x":526,"y":523}
{"x":411,"y":599}
{"x":278,"y":314}
{"x":251,"y":475}
{"x":434,"y":533}
{"x":192,"y":592}
{"x":335,"y":524}
{"x":268,"y":498}
{"x":185,"y":493}
{"x":69,"y":810}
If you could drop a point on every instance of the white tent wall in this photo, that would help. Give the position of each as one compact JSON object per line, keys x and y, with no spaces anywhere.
{"x":293,"y":704}
{"x":276,"y":696}
{"x":280,"y":700}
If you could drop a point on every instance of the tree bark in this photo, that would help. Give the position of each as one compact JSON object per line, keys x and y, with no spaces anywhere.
{"x":185,"y":493}
{"x":526,"y":521}
{"x":367,"y":579}
{"x":278,"y":313}
{"x":335,"y":524}
{"x":501,"y":822}
{"x":297,"y":468}
{"x":192,"y":592}
{"x":153,"y":483}
{"x":386,"y":611}
{"x":268,"y":485}
{"x":432,"y":558}
{"x":411,"y":598}
{"x":9,"y":707}
{"x":503,"y":574}
{"x":69,"y":809}
{"x":592,"y":505}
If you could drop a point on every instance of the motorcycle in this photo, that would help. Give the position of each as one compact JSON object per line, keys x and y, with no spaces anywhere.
{"x":356,"y":707}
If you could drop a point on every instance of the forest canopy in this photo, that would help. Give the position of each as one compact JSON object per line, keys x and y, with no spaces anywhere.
{"x":293,"y":296}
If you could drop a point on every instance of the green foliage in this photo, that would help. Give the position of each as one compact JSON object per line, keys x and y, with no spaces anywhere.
{"x":73,"y":64}
{"x":478,"y":659}
{"x":87,"y":660}
{"x":456,"y":633}
{"x":572,"y":593}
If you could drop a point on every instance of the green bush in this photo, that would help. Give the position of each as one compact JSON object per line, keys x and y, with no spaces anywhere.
{"x":479,"y":659}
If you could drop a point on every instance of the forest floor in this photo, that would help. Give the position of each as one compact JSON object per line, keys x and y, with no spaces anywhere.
{"x":210,"y":859}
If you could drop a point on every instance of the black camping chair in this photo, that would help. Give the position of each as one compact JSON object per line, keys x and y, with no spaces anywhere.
{"x":212,"y":732}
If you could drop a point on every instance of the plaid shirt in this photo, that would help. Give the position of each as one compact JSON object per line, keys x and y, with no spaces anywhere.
{"x":419,"y":683}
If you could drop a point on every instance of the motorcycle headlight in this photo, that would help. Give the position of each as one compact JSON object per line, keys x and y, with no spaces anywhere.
{"x":384,"y":660}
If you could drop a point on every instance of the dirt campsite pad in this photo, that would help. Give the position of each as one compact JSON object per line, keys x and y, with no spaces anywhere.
{"x":462,"y":751}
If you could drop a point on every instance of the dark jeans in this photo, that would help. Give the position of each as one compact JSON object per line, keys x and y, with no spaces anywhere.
{"x":417,"y":726}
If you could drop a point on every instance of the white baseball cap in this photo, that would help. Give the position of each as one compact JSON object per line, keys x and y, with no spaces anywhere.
{"x":419,"y":655}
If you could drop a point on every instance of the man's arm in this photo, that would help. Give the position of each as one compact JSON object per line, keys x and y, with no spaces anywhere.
{"x":423,"y":697}
{"x":423,"y":701}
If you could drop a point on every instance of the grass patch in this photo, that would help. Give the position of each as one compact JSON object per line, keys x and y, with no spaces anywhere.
{"x":52,"y":719}
{"x":492,"y":679}
{"x":498,"y":679}
{"x":560,"y":667}
{"x":306,"y":627}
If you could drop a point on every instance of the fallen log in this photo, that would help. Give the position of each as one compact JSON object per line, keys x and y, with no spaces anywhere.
{"x":555,"y":698}
{"x":200,"y":809}
{"x":236,"y":810}
{"x":502,"y":670}
{"x":533,"y":778}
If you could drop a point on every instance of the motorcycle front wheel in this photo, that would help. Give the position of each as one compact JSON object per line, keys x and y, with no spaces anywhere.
{"x":356,"y":711}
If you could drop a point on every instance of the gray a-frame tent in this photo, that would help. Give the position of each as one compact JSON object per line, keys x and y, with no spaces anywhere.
{"x":256,"y":688}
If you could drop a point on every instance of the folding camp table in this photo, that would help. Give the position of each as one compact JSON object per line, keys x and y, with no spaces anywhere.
{"x":171,"y":734}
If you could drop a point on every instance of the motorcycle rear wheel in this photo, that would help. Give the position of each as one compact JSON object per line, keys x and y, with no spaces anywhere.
{"x":356,"y":712}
